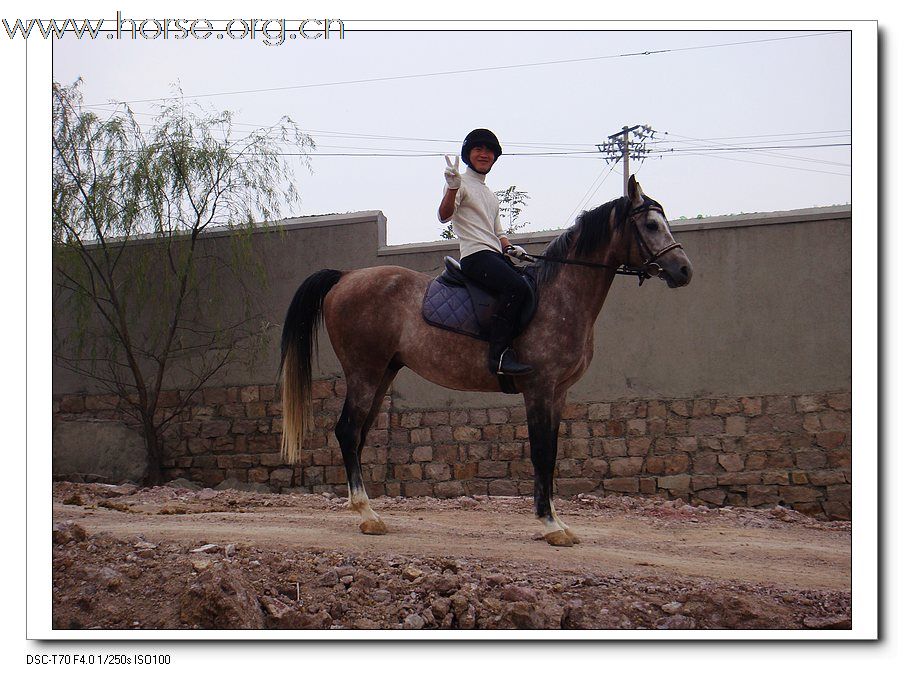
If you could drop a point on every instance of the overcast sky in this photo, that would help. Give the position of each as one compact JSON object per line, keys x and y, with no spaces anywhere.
{"x":707,"y":95}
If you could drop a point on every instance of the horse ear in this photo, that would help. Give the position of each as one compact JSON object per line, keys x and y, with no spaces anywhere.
{"x":635,"y":193}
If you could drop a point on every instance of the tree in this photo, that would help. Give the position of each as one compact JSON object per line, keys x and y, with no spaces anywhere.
{"x":511,"y":204}
{"x":140,"y":285}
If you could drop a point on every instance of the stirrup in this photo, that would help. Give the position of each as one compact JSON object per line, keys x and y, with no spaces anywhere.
{"x":523,"y":368}
{"x":501,"y":357}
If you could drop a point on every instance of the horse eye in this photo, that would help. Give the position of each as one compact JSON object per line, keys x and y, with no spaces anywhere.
{"x":652,"y":226}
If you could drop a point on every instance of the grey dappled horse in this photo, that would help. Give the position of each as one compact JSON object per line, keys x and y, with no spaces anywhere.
{"x":374,"y":321}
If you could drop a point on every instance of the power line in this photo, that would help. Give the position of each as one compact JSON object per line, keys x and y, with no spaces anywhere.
{"x":588,"y":154}
{"x":357,"y":135}
{"x":753,"y":148}
{"x":560,"y":154}
{"x":399,"y":153}
{"x":697,"y":143}
{"x":551,"y":145}
{"x":697,"y":148}
{"x":763,"y":140}
{"x":772,"y":134}
{"x":781,"y":156}
{"x":803,"y":159}
{"x":772,"y":165}
{"x":360,"y":81}
{"x":591,"y":192}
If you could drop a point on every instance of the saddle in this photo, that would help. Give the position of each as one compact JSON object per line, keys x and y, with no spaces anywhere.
{"x":456,"y":303}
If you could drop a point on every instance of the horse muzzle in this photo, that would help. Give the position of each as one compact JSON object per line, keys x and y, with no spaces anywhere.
{"x":676,"y":270}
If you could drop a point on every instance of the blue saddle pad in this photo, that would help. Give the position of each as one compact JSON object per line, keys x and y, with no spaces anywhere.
{"x":456,"y":303}
{"x":450,"y":307}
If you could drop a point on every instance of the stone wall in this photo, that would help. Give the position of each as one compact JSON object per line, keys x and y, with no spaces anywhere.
{"x":758,"y":320}
{"x":753,"y":450}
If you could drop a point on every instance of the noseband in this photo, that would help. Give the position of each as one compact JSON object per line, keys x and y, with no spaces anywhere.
{"x":647,"y":270}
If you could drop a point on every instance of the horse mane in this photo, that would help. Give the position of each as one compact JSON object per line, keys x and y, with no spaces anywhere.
{"x":589,"y":231}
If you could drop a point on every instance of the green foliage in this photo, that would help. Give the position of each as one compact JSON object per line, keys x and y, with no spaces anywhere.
{"x":511,"y":205}
{"x":142,"y":289}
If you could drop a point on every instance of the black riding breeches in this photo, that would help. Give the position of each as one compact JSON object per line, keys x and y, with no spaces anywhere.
{"x":493,"y":271}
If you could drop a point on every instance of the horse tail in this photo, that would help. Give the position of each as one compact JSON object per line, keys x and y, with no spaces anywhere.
{"x":299,"y":343}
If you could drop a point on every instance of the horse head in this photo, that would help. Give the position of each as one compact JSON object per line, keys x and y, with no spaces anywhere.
{"x":653,"y":248}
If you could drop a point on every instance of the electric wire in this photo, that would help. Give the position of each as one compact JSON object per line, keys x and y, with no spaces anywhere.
{"x":694,"y":148}
{"x":697,"y":144}
{"x":589,"y":194}
{"x":772,"y":165}
{"x":359,"y":81}
{"x":562,"y":154}
{"x":551,"y":145}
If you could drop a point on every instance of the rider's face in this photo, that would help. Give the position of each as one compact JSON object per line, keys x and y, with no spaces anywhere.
{"x":482,"y":158}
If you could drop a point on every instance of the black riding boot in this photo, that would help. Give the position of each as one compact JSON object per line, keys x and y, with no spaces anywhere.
{"x":502,"y":358}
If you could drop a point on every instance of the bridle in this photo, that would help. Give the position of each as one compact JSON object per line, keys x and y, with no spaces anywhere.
{"x":650,"y":267}
{"x":647,"y":270}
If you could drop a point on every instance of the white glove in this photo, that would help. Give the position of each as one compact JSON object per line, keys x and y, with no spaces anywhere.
{"x":517,"y":252}
{"x":453,"y":179}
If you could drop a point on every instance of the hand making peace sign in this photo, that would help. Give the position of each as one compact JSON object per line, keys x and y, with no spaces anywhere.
{"x":453,"y":178}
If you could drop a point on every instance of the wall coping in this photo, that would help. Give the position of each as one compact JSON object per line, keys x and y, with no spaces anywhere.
{"x":839,"y":212}
{"x":287,"y":224}
{"x":314,"y":222}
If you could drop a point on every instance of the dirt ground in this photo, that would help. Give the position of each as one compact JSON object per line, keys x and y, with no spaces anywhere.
{"x":179,"y":558}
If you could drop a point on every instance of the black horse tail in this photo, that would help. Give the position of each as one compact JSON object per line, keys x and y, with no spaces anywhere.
{"x":299,"y":343}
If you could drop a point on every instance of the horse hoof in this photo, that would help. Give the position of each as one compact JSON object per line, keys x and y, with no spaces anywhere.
{"x":573,"y":536}
{"x":373,"y":527}
{"x":559,"y":539}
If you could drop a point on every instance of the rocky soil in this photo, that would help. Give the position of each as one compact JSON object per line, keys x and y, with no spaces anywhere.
{"x":185,"y":558}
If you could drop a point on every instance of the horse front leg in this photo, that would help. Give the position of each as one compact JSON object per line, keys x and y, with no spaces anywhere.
{"x":543,"y":418}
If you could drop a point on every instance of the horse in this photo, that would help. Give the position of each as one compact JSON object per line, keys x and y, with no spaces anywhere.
{"x":374,"y":322}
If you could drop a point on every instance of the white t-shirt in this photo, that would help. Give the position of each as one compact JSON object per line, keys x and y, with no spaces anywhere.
{"x":475,"y":219}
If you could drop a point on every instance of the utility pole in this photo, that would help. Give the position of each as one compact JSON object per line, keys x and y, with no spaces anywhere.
{"x":620,"y":147}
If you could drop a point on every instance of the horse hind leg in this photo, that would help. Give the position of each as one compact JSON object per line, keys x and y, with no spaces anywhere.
{"x":362,"y":405}
{"x":350,"y":432}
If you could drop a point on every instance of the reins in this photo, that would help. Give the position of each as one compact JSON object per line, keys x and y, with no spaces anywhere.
{"x":647,"y":270}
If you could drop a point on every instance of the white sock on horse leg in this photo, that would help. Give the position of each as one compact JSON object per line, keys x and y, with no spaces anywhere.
{"x":555,"y":517}
{"x":550,"y":526}
{"x":358,"y":500}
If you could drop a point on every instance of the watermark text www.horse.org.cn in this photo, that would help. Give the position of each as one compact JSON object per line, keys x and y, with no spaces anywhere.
{"x":271,"y":32}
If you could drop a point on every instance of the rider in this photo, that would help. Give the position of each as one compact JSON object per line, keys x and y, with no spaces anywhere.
{"x":474,"y":211}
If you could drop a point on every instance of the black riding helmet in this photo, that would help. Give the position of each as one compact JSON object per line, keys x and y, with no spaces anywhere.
{"x":476,"y":138}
